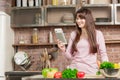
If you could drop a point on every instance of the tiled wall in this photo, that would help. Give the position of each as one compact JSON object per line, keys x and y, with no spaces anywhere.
{"x":110,"y":33}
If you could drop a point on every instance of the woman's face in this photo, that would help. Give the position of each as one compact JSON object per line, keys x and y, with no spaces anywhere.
{"x":80,"y":22}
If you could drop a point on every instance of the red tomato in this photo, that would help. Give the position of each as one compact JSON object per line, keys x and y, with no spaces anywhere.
{"x":58,"y":75}
{"x":80,"y":74}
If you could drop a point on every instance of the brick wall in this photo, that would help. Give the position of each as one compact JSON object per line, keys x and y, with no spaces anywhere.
{"x":5,"y":5}
{"x":111,"y":32}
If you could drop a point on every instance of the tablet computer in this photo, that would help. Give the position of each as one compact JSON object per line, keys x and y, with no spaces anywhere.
{"x":60,"y":35}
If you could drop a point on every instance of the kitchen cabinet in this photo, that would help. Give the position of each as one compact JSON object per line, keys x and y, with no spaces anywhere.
{"x":103,"y":13}
{"x":41,"y":16}
{"x":55,"y":15}
{"x":27,"y":17}
{"x":45,"y":16}
{"x":51,"y":15}
{"x":117,"y":12}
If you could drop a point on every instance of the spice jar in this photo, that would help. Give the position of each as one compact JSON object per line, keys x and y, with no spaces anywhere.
{"x":35,"y":36}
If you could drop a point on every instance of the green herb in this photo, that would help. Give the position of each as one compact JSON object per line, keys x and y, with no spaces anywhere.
{"x":107,"y":65}
{"x":98,"y":73}
{"x":69,"y":73}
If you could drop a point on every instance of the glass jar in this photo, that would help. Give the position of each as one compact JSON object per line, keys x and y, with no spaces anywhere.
{"x":35,"y":36}
{"x":24,"y":3}
{"x":31,"y":3}
{"x":54,"y":2}
{"x":18,"y":2}
{"x":73,"y":2}
{"x":38,"y":18}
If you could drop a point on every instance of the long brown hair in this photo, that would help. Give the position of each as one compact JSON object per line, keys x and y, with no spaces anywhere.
{"x":86,"y":14}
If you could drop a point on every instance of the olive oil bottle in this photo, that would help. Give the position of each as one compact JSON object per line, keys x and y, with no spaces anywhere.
{"x":35,"y":36}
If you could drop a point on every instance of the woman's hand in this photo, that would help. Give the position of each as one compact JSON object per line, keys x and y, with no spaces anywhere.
{"x":61,"y":45}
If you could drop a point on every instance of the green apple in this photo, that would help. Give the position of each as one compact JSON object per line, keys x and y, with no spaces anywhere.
{"x":45,"y":71}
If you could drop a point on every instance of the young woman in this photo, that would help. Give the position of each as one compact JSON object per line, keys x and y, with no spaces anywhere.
{"x":84,"y":44}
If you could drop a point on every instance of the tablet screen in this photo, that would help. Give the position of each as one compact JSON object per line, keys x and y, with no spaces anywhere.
{"x":60,"y":35}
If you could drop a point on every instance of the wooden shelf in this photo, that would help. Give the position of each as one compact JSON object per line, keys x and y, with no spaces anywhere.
{"x":60,"y":6}
{"x":28,"y":45}
{"x":112,"y":41}
{"x":41,"y":26}
{"x":61,"y":24}
{"x":28,"y":26}
{"x":51,"y":44}
{"x":16,"y":46}
{"x":23,"y":8}
{"x":97,"y":5}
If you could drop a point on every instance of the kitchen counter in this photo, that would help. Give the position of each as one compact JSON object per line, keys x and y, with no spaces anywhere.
{"x":33,"y":75}
{"x":90,"y":77}
{"x":75,"y":79}
{"x":17,"y":75}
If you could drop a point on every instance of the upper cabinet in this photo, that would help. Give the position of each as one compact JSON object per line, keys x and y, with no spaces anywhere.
{"x":59,"y":15}
{"x":102,"y":13}
{"x":27,"y":13}
{"x":27,"y":16}
{"x":42,"y":13}
{"x":117,"y":12}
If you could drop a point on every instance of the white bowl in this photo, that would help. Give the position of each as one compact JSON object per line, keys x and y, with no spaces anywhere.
{"x":110,"y":72}
{"x":21,"y":58}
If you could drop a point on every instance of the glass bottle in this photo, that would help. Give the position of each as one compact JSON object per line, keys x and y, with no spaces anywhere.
{"x":35,"y":36}
{"x":50,"y":37}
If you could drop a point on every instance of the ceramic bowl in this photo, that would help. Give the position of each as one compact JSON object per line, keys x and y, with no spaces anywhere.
{"x":110,"y":72}
{"x":68,"y":18}
{"x":102,"y":19}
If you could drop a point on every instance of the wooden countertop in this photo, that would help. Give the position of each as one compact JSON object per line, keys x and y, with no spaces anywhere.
{"x":87,"y":77}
